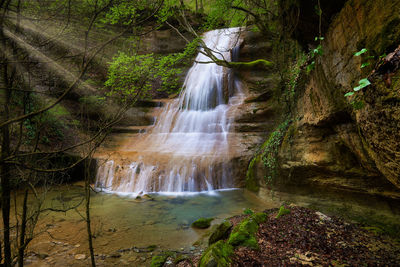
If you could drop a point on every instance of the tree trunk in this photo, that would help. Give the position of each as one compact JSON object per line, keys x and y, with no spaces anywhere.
{"x":22,"y":245}
{"x":87,"y":198}
{"x":4,"y":173}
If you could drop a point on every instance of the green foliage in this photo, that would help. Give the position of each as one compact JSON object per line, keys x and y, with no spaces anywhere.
{"x":49,"y":125}
{"x":236,"y":13}
{"x":310,"y":66}
{"x":131,"y":77}
{"x":128,"y":76}
{"x":318,"y":51}
{"x":366,"y":64}
{"x":169,"y":9}
{"x":221,"y":13}
{"x":362,"y":84}
{"x":270,"y":148}
{"x":92,"y":103}
{"x":125,"y":13}
{"x":362,"y":51}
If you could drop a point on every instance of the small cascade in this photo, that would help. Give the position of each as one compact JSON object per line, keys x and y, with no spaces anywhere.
{"x":188,"y":148}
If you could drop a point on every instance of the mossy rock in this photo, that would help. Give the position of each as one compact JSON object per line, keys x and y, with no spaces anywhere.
{"x":202,"y":223}
{"x":217,"y":255}
{"x":158,"y":261}
{"x":181,"y":258}
{"x":259,"y":217}
{"x":251,"y":180}
{"x":221,"y":232}
{"x":244,"y":234}
{"x":282,"y":211}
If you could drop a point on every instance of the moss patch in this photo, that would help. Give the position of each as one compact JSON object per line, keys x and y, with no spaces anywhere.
{"x":259,"y":64}
{"x":282,"y":211}
{"x":221,"y":232}
{"x":202,"y":223}
{"x":244,"y":234}
{"x":251,"y":181}
{"x":217,"y":254}
{"x":259,"y":217}
{"x":158,"y":261}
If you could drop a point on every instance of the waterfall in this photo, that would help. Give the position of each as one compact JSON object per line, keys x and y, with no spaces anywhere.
{"x":188,"y":148}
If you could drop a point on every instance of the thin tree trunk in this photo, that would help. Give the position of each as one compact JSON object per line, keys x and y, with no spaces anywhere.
{"x":21,"y":248}
{"x":5,"y":172}
{"x":88,"y":222}
{"x":5,"y":147}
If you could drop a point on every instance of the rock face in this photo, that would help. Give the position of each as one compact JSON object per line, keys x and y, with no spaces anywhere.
{"x":329,"y":142}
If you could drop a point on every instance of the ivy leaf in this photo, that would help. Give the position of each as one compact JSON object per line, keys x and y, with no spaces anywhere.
{"x":310,"y":67}
{"x":362,"y":84}
{"x":362,"y":51}
{"x":365,"y":64}
{"x":349,"y":94}
{"x":318,"y":50}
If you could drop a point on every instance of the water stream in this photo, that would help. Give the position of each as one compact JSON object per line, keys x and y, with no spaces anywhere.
{"x":188,"y":148}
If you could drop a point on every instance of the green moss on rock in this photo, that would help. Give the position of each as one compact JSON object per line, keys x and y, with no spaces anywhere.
{"x":158,"y":261}
{"x":282,"y":211}
{"x":259,"y":64}
{"x":251,"y":181}
{"x":217,"y":255}
{"x":202,"y":223}
{"x":221,"y":232}
{"x":259,"y":217}
{"x":244,"y":234}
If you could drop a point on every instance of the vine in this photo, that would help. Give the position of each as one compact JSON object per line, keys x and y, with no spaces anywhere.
{"x":270,"y":150}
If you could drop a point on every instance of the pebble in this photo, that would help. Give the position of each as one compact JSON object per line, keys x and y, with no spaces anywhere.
{"x":322,"y":216}
{"x":133,"y":258}
{"x":80,"y":256}
{"x":42,"y":256}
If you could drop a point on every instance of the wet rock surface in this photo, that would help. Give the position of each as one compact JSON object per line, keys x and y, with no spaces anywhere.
{"x":370,"y":134}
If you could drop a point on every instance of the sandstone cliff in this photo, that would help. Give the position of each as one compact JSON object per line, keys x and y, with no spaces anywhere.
{"x":330,"y":141}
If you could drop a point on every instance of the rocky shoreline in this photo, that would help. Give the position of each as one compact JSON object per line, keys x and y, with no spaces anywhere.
{"x":294,"y":236}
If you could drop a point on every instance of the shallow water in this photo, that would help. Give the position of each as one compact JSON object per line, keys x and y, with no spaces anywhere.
{"x":122,"y":222}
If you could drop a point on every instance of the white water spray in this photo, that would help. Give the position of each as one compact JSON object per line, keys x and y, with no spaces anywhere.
{"x":187,"y":150}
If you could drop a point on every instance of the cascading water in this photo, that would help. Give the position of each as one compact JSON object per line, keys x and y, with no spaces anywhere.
{"x":188,"y":148}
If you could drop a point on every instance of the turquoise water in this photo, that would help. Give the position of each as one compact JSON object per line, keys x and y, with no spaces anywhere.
{"x":121,"y":222}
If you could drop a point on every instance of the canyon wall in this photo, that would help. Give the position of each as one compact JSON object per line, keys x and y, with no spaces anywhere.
{"x":332,"y":142}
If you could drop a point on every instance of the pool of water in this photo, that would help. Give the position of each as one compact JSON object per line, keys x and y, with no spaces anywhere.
{"x":121,"y":222}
